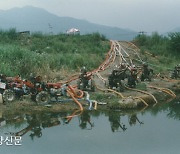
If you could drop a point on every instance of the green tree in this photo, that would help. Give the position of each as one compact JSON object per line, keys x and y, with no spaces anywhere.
{"x":174,"y":42}
{"x":142,"y":40}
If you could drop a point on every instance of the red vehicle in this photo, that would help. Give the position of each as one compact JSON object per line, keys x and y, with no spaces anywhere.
{"x":16,"y":88}
{"x":50,"y":90}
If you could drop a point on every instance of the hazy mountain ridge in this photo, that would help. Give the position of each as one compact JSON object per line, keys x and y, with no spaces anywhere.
{"x":37,"y":19}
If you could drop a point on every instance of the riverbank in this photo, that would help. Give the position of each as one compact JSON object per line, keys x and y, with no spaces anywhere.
{"x":105,"y":101}
{"x":121,"y":53}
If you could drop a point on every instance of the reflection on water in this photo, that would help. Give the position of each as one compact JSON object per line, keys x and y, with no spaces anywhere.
{"x":174,"y":111}
{"x":32,"y":125}
{"x":36,"y":122}
{"x":85,"y":120}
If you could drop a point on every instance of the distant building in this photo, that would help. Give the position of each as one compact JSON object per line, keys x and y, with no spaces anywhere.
{"x":24,"y":33}
{"x":73,"y":31}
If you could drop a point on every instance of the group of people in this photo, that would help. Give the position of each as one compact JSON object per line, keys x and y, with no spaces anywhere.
{"x":118,"y":74}
{"x":176,"y":72}
{"x":131,"y":73}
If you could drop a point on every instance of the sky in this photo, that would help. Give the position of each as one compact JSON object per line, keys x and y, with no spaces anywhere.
{"x":138,"y":15}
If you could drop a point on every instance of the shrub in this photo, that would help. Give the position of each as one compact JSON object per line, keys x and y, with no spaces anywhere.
{"x":175,"y":42}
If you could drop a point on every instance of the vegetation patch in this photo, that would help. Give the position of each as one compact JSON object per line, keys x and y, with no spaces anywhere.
{"x":45,"y":54}
{"x":162,"y":52}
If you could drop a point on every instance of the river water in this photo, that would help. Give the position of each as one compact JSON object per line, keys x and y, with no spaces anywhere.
{"x":154,"y":130}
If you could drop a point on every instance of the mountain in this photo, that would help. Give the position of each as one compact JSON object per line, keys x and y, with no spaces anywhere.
{"x":36,"y":19}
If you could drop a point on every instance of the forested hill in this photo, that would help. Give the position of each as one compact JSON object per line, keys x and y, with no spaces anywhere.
{"x":36,"y":19}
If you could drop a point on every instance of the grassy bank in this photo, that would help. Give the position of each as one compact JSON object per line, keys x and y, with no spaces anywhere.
{"x":44,"y":54}
{"x":53,"y":55}
{"x":164,"y":51}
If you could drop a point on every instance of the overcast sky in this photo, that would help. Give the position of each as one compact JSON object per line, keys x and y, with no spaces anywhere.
{"x":139,"y":15}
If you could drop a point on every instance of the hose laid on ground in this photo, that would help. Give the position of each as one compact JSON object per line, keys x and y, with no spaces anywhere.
{"x":110,"y":58}
{"x":107,"y":62}
{"x":118,"y":93}
{"x":99,"y":76}
{"x":168,"y":91}
{"x":141,"y":100}
{"x":131,"y":62}
{"x":131,"y":44}
{"x":113,"y":58}
{"x":124,"y":50}
{"x":144,"y":92}
{"x":111,"y":55}
{"x":120,"y":58}
{"x":110,"y":90}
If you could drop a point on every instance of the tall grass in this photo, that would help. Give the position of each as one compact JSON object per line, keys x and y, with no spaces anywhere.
{"x":41,"y":53}
{"x":164,"y":47}
{"x":8,"y":36}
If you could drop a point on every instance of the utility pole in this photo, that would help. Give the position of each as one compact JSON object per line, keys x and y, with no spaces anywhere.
{"x":142,"y":32}
{"x":50,"y":29}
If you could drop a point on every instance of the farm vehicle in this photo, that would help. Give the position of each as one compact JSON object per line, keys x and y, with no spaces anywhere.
{"x":13,"y":88}
{"x":57,"y":91}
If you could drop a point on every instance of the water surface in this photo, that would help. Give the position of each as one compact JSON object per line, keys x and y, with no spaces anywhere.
{"x":150,"y":131}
